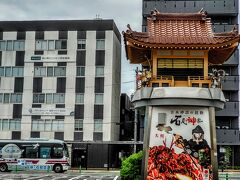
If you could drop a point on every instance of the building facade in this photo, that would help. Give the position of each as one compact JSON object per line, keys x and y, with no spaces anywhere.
{"x":60,"y":79}
{"x":224,"y":16}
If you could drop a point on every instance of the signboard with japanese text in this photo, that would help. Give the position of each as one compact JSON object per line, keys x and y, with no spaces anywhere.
{"x":49,"y":58}
{"x":179,"y":143}
{"x":51,"y":111}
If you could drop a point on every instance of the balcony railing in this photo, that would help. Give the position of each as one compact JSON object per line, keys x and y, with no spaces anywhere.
{"x":169,"y":81}
{"x":228,"y":136}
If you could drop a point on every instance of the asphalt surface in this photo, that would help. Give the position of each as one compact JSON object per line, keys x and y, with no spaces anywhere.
{"x":61,"y":176}
{"x":84,"y":175}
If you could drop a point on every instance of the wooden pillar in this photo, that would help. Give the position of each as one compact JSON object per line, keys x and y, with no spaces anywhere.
{"x":154,"y":65}
{"x":205,"y":65}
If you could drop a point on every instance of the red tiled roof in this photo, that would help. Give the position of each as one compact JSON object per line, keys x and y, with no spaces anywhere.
{"x":180,"y":30}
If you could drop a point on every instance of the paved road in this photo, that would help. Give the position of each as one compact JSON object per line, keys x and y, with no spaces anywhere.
{"x":85,"y":175}
{"x":53,"y":176}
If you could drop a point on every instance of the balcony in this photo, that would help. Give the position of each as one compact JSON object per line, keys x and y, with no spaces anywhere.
{"x":169,"y":81}
{"x":230,"y":83}
{"x":230,"y":109}
{"x":228,"y":137}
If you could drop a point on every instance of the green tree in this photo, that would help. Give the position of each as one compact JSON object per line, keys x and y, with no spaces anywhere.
{"x":131,"y":167}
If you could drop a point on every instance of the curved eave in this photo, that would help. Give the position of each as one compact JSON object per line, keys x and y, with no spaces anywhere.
{"x":218,"y":53}
{"x":219,"y":56}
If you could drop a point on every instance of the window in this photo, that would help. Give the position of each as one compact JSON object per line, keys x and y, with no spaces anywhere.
{"x":97,"y":136}
{"x":79,"y":111}
{"x":21,"y":35}
{"x":15,"y":124}
{"x":79,"y":98}
{"x":57,"y":125}
{"x":99,"y":85}
{"x":98,"y":125}
{"x":39,"y":71}
{"x":49,"y":71}
{"x":8,"y":71}
{"x":1,"y":97}
{"x":62,"y":34}
{"x":49,"y":98}
{"x":58,"y":98}
{"x":45,"y":152}
{"x":98,"y":111}
{"x":17,"y":111}
{"x":35,"y":134}
{"x":57,"y":152}
{"x":78,"y":136}
{"x":60,"y":71}
{"x":78,"y":125}
{"x":2,"y":45}
{"x":99,"y":71}
{"x":100,"y":34}
{"x":41,"y":45}
{"x":5,"y":124}
{"x":48,"y":125}
{"x":81,"y":71}
{"x":18,"y":85}
{"x":81,"y":34}
{"x":9,"y":45}
{"x":81,"y":44}
{"x":80,"y":85}
{"x":100,"y":58}
{"x":6,"y":98}
{"x":51,"y":45}
{"x":1,"y":71}
{"x":38,"y":98}
{"x":59,"y":135}
{"x":31,"y":152}
{"x":81,"y":58}
{"x":37,"y":84}
{"x":100,"y":44}
{"x":16,"y":98}
{"x":19,"y":60}
{"x":98,"y":98}
{"x":61,"y":44}
{"x":37,"y":125}
{"x":61,"y":85}
{"x":18,"y":45}
{"x":16,"y":135}
{"x":17,"y":71}
{"x":39,"y":35}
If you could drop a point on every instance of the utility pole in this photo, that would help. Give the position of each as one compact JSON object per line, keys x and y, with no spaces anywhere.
{"x":135,"y":130}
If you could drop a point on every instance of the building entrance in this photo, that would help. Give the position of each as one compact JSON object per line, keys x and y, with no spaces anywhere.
{"x":79,"y":157}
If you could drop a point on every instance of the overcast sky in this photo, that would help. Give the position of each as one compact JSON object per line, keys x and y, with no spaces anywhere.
{"x":123,"y":12}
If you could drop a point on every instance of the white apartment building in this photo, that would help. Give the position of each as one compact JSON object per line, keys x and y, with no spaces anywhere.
{"x":60,"y":79}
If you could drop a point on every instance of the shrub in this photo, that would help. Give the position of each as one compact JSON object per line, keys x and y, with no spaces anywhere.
{"x":131,"y":167}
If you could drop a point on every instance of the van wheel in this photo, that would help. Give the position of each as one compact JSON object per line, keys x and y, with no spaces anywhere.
{"x":3,"y":167}
{"x":57,"y":168}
